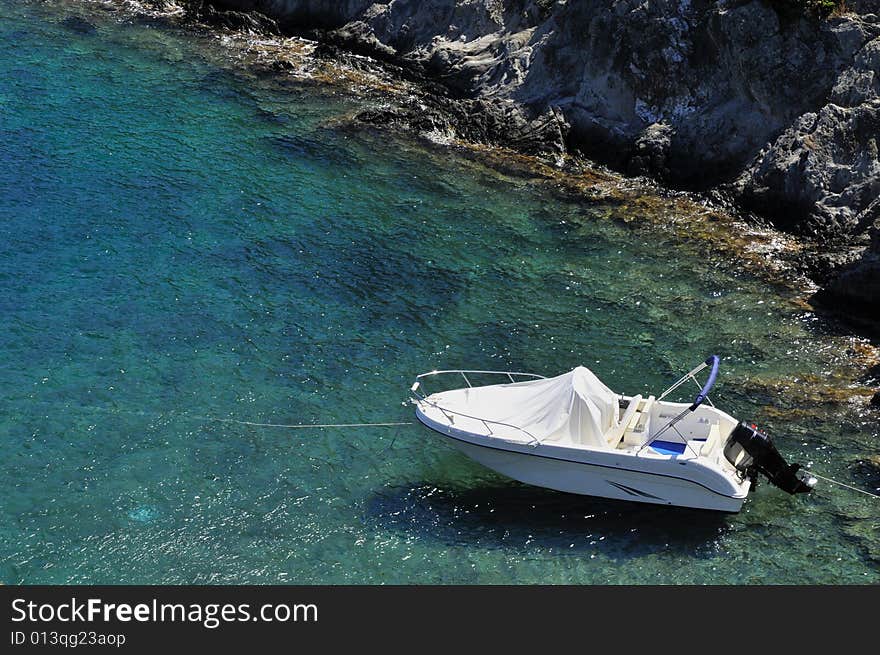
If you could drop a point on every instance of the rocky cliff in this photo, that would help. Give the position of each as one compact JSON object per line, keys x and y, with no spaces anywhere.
{"x":779,"y":108}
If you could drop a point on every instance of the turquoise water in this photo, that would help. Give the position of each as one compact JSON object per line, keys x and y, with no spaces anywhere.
{"x":180,"y":242}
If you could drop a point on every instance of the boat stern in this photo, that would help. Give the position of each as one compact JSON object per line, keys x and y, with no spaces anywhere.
{"x":752,"y":452}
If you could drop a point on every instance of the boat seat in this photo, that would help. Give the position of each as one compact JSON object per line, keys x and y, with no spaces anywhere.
{"x":638,"y":434}
{"x":615,"y":434}
{"x":714,"y":437}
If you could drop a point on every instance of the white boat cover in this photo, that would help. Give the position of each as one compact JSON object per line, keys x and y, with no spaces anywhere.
{"x":574,"y":407}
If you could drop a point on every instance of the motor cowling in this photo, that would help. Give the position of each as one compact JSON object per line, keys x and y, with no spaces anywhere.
{"x":752,"y":451}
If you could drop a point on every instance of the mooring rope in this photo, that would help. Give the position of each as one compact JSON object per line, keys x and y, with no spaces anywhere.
{"x":861,"y":491}
{"x":299,"y":426}
{"x":217,"y":419}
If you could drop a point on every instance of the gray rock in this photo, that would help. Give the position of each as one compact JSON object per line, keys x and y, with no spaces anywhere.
{"x":859,"y":83}
{"x":857,"y":286}
{"x":824,"y":262}
{"x":485,"y":121}
{"x":307,"y":14}
{"x":820,"y":174}
{"x":249,"y":20}
{"x":651,"y":150}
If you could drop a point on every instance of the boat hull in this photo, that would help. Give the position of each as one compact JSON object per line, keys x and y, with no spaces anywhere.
{"x":672,"y":481}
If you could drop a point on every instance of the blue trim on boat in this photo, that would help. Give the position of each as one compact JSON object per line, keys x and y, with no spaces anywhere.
{"x":668,"y":447}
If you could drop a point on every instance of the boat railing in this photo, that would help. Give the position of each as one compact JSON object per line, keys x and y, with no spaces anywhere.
{"x":420,"y":395}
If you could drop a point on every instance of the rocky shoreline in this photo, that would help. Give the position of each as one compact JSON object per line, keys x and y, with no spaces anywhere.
{"x":774,"y":110}
{"x":772,"y":114}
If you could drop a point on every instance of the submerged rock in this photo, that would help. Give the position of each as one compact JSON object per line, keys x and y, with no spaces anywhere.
{"x":79,"y":25}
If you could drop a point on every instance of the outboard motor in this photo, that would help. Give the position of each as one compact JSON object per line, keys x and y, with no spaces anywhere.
{"x":753,"y":452}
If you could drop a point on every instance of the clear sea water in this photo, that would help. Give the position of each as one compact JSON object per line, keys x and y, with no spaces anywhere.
{"x":181,"y":242}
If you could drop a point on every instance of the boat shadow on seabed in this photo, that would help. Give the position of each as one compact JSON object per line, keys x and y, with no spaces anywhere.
{"x":500,"y":514}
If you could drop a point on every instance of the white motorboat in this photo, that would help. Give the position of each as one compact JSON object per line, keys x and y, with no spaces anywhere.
{"x":574,"y":434}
